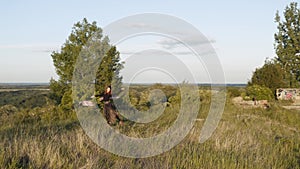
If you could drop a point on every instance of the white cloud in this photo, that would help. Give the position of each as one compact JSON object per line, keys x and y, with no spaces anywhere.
{"x":191,"y":41}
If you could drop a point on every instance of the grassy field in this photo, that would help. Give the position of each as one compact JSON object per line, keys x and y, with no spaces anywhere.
{"x":43,"y":136}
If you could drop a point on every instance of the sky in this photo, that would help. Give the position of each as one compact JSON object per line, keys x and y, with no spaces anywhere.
{"x":240,"y":32}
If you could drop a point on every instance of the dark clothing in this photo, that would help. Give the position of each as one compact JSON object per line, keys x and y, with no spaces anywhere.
{"x":107,"y":97}
{"x":109,"y":109}
{"x":110,"y":113}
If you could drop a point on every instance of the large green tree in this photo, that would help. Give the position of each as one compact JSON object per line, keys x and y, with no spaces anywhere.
{"x":64,"y":61}
{"x":287,"y":40}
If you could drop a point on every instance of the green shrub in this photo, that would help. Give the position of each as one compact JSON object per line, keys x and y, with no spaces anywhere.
{"x":259,"y":92}
{"x":234,"y":91}
{"x":8,"y":109}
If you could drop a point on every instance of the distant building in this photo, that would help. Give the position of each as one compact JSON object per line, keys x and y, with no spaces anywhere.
{"x":288,"y":94}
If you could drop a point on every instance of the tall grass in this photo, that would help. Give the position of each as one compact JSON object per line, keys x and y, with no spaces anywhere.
{"x":245,"y":138}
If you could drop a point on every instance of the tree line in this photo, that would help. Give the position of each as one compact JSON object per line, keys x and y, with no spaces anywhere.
{"x":283,"y":71}
{"x":279,"y":72}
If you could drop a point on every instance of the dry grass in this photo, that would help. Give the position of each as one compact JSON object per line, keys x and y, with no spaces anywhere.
{"x":245,"y":138}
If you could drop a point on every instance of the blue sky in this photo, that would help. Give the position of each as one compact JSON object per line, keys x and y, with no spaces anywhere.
{"x":242,"y":32}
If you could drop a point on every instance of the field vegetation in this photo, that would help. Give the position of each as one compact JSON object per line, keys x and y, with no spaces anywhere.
{"x":45,"y":136}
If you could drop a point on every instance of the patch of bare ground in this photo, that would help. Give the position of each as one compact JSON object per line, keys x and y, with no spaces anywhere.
{"x":239,"y":101}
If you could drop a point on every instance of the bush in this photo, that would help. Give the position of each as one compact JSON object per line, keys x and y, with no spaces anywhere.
{"x":8,"y":109}
{"x":234,"y":91}
{"x":273,"y":76}
{"x":259,"y":92}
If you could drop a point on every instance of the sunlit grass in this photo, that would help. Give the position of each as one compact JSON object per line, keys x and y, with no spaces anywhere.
{"x":245,"y":138}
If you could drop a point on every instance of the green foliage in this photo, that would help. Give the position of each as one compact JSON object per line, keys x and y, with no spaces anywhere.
{"x":47,"y":138}
{"x":143,"y":96}
{"x":85,"y":39}
{"x":235,"y":91}
{"x":57,"y":90}
{"x":65,"y":59}
{"x":169,"y":90}
{"x":271,"y":75}
{"x":24,"y":98}
{"x":7,"y":110}
{"x":287,"y":40}
{"x":259,"y":92}
{"x":66,"y":101}
{"x":108,"y":72}
{"x":175,"y":99}
{"x":284,"y":71}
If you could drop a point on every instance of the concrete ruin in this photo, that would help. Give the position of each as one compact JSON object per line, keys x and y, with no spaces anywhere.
{"x":292,"y":94}
{"x":288,"y":94}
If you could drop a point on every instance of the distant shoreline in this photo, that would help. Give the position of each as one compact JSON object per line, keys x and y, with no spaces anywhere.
{"x":47,"y":84}
{"x":24,"y":84}
{"x":20,"y":89}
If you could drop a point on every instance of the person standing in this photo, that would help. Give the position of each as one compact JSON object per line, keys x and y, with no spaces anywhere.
{"x":109,"y":109}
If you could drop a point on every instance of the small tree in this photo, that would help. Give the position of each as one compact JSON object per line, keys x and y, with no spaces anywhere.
{"x":64,"y":61}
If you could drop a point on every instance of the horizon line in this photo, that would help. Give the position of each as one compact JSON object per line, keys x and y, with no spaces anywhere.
{"x":138,"y":83}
